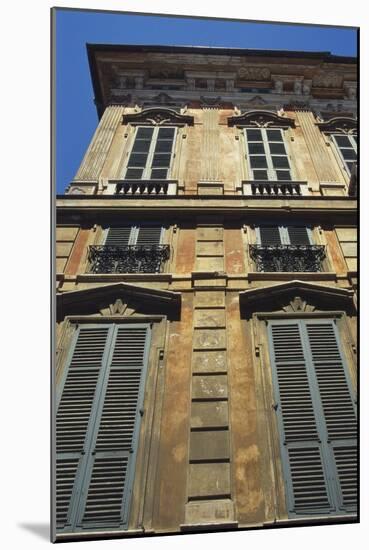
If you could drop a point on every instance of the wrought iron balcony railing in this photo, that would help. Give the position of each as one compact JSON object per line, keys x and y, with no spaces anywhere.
{"x":288,"y":257}
{"x":127,"y":259}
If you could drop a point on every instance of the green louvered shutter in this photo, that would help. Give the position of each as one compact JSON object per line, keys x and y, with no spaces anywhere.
{"x":149,"y":236}
{"x":269,"y":235}
{"x":98,"y":494}
{"x":118,"y":236}
{"x":74,"y":419}
{"x":338,"y":407}
{"x":315,"y":417}
{"x":298,"y":235}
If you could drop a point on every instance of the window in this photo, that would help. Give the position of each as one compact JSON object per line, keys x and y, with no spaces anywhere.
{"x":267,"y":155}
{"x":151,"y":154}
{"x":133,"y":235}
{"x":286,"y":248}
{"x":347,"y":147}
{"x":97,"y":425}
{"x":279,"y":235}
{"x":316,"y":416}
{"x":130,"y":249}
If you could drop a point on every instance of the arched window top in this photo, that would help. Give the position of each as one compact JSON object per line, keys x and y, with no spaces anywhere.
{"x":157,"y":116}
{"x":261,"y":119}
{"x":342,"y":125}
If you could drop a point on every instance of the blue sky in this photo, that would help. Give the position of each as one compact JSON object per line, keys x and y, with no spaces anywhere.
{"x":76,"y":116}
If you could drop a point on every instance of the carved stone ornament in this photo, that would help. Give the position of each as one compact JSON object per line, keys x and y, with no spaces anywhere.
{"x":118,"y":299}
{"x":298,"y":304}
{"x":254,"y":73}
{"x":345,"y":125}
{"x":157,"y":117}
{"x":326,"y":79}
{"x":296,"y":296}
{"x":261,"y":119}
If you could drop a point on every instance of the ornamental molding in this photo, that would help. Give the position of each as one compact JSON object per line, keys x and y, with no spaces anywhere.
{"x":296,"y":296}
{"x":261,"y":119}
{"x":158,"y":117}
{"x":254,"y":73}
{"x":345,"y":125}
{"x":118,"y":299}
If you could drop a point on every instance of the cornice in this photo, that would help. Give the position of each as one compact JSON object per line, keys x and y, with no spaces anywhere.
{"x":261,"y":119}
{"x":159,"y":116}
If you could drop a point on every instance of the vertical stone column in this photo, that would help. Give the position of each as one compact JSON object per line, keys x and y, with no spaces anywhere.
{"x":97,"y":152}
{"x":210,"y":146}
{"x":209,"y":480}
{"x":316,"y":146}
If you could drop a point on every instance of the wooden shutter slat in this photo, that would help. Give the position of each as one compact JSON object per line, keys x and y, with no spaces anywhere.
{"x":269,"y":235}
{"x":117,"y":424}
{"x":149,"y":235}
{"x":335,"y":396}
{"x":298,"y":235}
{"x":300,"y":439}
{"x":294,"y":391}
{"x":118,"y":236}
{"x":73,"y":418}
{"x":316,"y":417}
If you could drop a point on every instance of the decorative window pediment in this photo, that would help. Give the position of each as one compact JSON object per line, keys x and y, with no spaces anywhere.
{"x":344,"y":125}
{"x":157,"y":117}
{"x":260,"y":119}
{"x":298,"y":295}
{"x":119,"y":299}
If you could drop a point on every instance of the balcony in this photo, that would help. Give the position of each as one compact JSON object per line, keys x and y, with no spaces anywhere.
{"x":143,"y":187}
{"x":288,"y":257}
{"x":275,"y":188}
{"x":127,"y":259}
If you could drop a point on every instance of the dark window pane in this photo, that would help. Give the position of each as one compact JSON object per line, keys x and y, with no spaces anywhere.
{"x":256,"y":149}
{"x":348,"y":154}
{"x":270,"y":236}
{"x":343,"y":141}
{"x":274,"y":135}
{"x":166,"y":133}
{"x":258,"y":162}
{"x":280,"y":162}
{"x":163,"y":147}
{"x":141,"y":146}
{"x":260,"y":175}
{"x":349,"y":166}
{"x":134,"y":174}
{"x":161,"y":160}
{"x":277,"y":148}
{"x":144,"y":133}
{"x":159,"y":174}
{"x":254,"y":135}
{"x":137,"y":159}
{"x":283,"y":175}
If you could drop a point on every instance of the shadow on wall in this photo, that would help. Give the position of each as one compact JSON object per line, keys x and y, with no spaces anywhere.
{"x":42,"y":530}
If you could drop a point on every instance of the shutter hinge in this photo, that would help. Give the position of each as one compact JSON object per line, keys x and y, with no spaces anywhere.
{"x":257,"y":351}
{"x":142,"y":412}
{"x":275,"y":406}
{"x":161,"y":355}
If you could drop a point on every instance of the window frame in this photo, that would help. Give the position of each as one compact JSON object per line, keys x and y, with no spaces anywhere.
{"x":327,"y":448}
{"x":353,"y":141}
{"x":82,"y":479}
{"x":135,"y":229}
{"x":147,"y":169}
{"x":270,"y":169}
{"x":283,"y":233}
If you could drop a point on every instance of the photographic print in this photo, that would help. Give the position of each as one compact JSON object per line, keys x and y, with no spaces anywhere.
{"x":206,"y":275}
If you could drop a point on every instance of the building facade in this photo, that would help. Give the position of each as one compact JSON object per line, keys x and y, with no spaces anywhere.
{"x":206,"y":295}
